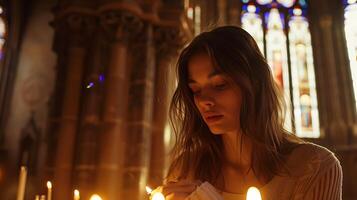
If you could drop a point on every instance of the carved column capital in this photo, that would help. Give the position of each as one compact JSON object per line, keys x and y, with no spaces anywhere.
{"x":120,"y":25}
{"x":168,"y":40}
{"x":74,"y":29}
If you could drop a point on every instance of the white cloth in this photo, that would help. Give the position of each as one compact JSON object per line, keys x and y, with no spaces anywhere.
{"x":205,"y":192}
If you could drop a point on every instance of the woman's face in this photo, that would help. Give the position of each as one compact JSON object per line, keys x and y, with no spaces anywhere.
{"x":216,"y":96}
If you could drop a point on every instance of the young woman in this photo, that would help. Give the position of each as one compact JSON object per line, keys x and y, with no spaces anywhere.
{"x":227,"y":113}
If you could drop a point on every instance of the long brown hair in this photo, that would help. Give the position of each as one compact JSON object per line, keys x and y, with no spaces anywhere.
{"x":235,"y":54}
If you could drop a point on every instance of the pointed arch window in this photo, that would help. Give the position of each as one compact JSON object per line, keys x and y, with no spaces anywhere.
{"x":253,"y":24}
{"x":351,"y":38}
{"x":281,"y":30}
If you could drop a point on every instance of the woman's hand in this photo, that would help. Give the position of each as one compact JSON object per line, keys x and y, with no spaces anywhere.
{"x":179,"y":190}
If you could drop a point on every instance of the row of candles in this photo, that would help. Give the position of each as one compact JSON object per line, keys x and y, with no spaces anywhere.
{"x":22,"y":188}
{"x":253,"y":193}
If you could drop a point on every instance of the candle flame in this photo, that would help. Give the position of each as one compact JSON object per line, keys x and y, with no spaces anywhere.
{"x":148,"y":190}
{"x":95,"y":197}
{"x":155,"y":194}
{"x":253,"y":194}
{"x":49,"y":185}
{"x":158,"y":196}
{"x":76,"y":192}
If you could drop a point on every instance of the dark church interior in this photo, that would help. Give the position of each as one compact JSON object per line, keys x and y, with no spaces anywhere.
{"x":85,"y":86}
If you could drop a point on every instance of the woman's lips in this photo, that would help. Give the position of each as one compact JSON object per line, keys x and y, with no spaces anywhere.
{"x":214,"y":118}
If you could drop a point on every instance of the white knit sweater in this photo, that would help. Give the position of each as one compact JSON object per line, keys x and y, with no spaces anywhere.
{"x":316,"y":174}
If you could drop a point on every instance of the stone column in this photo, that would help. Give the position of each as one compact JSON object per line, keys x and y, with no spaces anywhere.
{"x":140,"y":108}
{"x":89,"y":125}
{"x":119,"y":26}
{"x":168,"y":40}
{"x":234,"y":12}
{"x":222,"y":12}
{"x":333,"y":81}
{"x":334,"y":87}
{"x":79,"y":28}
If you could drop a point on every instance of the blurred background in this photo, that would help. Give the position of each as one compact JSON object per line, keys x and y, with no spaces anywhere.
{"x":85,"y":85}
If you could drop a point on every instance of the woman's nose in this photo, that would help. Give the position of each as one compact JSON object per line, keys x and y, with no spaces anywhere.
{"x":205,"y":101}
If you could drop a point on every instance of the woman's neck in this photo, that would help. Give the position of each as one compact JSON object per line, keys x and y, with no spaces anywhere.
{"x":237,"y":175}
{"x":237,"y":148}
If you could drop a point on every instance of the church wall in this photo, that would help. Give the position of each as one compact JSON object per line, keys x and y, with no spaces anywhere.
{"x":99,"y":155}
{"x":33,"y":85}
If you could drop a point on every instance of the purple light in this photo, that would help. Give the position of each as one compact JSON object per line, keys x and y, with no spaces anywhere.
{"x":101,"y":78}
{"x":90,"y":85}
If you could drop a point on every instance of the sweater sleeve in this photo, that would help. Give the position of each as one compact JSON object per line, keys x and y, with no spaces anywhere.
{"x":328,"y":185}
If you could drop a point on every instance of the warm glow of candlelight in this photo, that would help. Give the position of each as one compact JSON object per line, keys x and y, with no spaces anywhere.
{"x":95,"y":197}
{"x":49,"y":185}
{"x":22,"y":183}
{"x":76,"y":195}
{"x":157,"y":196}
{"x":49,"y":190}
{"x":148,"y":190}
{"x":253,"y":194}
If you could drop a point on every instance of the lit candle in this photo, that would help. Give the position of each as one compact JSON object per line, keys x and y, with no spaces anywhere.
{"x":22,"y":183}
{"x":43,"y":197}
{"x":253,"y":194}
{"x":148,"y":190}
{"x":49,"y":190}
{"x":154,"y":195}
{"x":37,"y":197}
{"x":95,"y":197}
{"x":76,"y":195}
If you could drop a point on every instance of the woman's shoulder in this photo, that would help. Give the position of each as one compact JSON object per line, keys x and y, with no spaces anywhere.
{"x":312,"y":151}
{"x":308,"y":158}
{"x":309,"y":166}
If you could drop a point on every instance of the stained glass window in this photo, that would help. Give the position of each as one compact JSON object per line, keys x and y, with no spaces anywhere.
{"x":281,"y":28}
{"x":2,"y":33}
{"x":252,"y":23}
{"x":303,"y":77}
{"x":264,"y":2}
{"x":277,"y":55}
{"x":351,"y":38}
{"x":287,"y":3}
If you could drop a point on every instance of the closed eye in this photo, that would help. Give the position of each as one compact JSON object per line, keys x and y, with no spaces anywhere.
{"x":220,"y":86}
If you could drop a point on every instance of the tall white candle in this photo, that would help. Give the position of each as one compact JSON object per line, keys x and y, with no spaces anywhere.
{"x":76,"y":195}
{"x":49,"y":190}
{"x":22,"y":183}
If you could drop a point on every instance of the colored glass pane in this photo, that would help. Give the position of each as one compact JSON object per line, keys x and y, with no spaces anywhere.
{"x":303,"y":79}
{"x":277,"y":56}
{"x":351,"y":38}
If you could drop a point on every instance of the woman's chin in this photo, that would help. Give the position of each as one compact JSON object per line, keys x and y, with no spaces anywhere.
{"x":217,"y":131}
{"x":221,"y":131}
